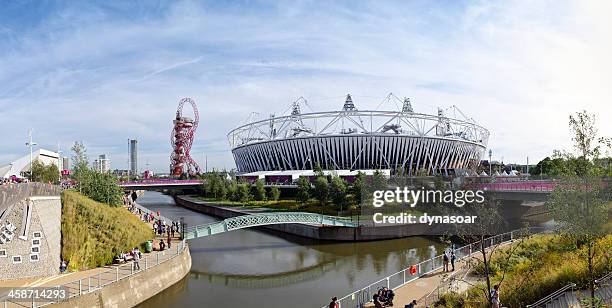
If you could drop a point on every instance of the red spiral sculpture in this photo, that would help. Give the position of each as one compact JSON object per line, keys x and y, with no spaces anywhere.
{"x":182,"y":139}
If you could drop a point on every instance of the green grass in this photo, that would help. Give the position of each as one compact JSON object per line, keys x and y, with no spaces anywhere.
{"x":94,"y":233}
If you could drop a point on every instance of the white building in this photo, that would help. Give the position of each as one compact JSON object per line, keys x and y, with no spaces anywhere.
{"x":102,"y":164}
{"x":22,"y":166}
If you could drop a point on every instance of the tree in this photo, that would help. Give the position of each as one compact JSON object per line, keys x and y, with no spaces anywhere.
{"x":489,"y":221}
{"x":580,"y":204}
{"x":43,"y":173}
{"x":337,"y":191}
{"x":358,"y":187}
{"x":321,"y":189}
{"x":259,"y":190}
{"x":303,"y":189}
{"x":80,"y":162}
{"x":215,"y":186}
{"x":101,"y":187}
{"x":274,"y":193}
{"x":318,"y":170}
{"x":244,"y":192}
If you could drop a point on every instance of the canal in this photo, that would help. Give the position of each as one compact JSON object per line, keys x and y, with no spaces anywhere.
{"x":251,"y":268}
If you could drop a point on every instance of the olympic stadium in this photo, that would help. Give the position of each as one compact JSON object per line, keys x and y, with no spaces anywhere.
{"x":446,"y":143}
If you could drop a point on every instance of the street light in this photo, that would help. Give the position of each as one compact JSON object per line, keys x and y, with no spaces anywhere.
{"x":490,"y":162}
{"x":31,"y":144}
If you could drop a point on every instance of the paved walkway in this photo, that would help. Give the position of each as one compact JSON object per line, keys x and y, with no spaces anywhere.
{"x":422,"y":287}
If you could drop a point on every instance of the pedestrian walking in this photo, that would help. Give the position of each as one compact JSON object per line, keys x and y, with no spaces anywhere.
{"x":495,"y":297}
{"x":452,"y":260}
{"x":169,"y":238}
{"x":136,"y":254}
{"x":445,"y":261}
{"x":333,"y":303}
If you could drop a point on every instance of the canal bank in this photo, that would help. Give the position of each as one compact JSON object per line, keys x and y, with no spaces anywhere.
{"x":137,"y":288}
{"x":317,"y":232}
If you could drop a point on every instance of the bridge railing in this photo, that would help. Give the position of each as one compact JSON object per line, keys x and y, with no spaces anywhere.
{"x":161,"y":182}
{"x":107,"y":276}
{"x":516,"y":186}
{"x":245,"y":221}
{"x":364,"y":295}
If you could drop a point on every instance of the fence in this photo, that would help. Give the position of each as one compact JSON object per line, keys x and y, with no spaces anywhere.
{"x":106,"y":277}
{"x":364,"y":295}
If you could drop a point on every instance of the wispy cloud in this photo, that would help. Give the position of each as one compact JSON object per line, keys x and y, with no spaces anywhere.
{"x":105,"y":73}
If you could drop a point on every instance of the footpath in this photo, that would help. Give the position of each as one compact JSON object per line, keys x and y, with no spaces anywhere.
{"x":422,"y":288}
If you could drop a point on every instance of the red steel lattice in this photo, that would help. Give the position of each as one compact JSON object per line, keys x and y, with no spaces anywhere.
{"x":182,"y":139}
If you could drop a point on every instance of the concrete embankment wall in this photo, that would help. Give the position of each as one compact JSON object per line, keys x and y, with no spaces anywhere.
{"x":136,"y":289}
{"x":326,"y":233}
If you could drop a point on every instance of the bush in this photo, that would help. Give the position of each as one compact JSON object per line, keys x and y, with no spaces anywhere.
{"x":93,"y":234}
{"x":450,"y":300}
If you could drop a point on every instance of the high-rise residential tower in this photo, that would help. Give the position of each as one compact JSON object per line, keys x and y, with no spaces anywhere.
{"x":133,"y":148}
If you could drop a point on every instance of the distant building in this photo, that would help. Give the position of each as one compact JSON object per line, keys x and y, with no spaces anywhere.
{"x":120,"y":172}
{"x":21,"y":167}
{"x":102,"y":164}
{"x":65,"y":163}
{"x":133,"y":149}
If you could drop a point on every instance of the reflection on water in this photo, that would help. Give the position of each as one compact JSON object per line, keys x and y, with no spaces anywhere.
{"x":251,"y":268}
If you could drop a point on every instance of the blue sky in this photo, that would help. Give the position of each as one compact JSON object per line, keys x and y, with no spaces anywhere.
{"x":103,"y":72}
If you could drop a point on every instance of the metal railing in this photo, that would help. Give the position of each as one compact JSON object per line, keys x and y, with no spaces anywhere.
{"x":553,"y":296}
{"x":562,"y":291}
{"x":364,"y":295}
{"x":106,"y":277}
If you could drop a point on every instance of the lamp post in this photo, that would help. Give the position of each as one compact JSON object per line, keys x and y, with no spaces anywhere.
{"x":490,"y":162}
{"x":30,"y":144}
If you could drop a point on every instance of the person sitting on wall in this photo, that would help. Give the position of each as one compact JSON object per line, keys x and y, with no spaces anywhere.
{"x":63,"y":266}
{"x":377,"y":303}
{"x":389,"y":295}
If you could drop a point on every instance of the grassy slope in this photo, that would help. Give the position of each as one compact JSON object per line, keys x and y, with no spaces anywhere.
{"x":540,"y":265}
{"x":94,"y":233}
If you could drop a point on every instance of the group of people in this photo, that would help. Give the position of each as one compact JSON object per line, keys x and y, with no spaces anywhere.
{"x":384,"y":298}
{"x":135,"y":255}
{"x":449,"y":257}
{"x":12,"y":180}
